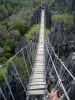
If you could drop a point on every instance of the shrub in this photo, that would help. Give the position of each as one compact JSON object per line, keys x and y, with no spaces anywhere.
{"x":21,"y":67}
{"x":15,"y":34}
{"x":4,"y":22}
{"x":1,"y":17}
{"x":50,"y":3}
{"x":48,"y":31}
{"x":10,"y":9}
{"x":66,"y":18}
{"x":3,"y":60}
{"x":1,"y":75}
{"x":19,"y":25}
{"x":10,"y":45}
{"x":29,"y":35}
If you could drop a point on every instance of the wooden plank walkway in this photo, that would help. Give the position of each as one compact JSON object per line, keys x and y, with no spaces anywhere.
{"x":37,"y":84}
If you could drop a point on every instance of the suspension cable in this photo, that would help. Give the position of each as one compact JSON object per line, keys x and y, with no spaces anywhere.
{"x":18,"y":75}
{"x":29,"y":58}
{"x":3,"y":94}
{"x":7,"y":82}
{"x":20,"y":50}
{"x":25,"y":63}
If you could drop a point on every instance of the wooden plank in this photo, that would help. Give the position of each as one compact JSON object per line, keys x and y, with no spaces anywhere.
{"x":39,"y":65}
{"x":42,"y":67}
{"x":39,"y":61}
{"x":38,"y":72}
{"x":39,"y":77}
{"x":37,"y":87}
{"x":40,"y":46}
{"x":42,"y":59}
{"x":40,"y":53}
{"x":41,"y":39}
{"x":40,"y":49}
{"x":36,"y":92}
{"x":34,"y":74}
{"x":37,"y":69}
{"x":37,"y":83}
{"x":41,"y":43}
{"x":38,"y":80}
{"x":40,"y":56}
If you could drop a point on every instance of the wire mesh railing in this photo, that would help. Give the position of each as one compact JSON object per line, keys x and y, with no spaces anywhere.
{"x":19,"y":69}
{"x":58,"y":75}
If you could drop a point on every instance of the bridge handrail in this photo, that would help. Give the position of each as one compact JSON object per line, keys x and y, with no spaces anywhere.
{"x":60,"y":60}
{"x":16,"y":71}
{"x":2,"y":94}
{"x":20,"y":50}
{"x":59,"y":79}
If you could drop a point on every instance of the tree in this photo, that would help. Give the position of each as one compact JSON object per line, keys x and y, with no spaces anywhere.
{"x":20,"y":25}
{"x":1,"y":17}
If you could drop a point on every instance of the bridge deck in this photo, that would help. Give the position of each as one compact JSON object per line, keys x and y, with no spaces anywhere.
{"x":37,"y":84}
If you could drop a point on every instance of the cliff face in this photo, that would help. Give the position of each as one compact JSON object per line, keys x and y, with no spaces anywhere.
{"x":60,"y":1}
{"x":73,"y":5}
{"x":48,"y":17}
{"x":36,"y":17}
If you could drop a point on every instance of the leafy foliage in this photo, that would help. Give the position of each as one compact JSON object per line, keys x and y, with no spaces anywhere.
{"x":66,"y":18}
{"x":29,"y":35}
{"x":8,"y":43}
{"x":48,"y":31}
{"x":20,"y":26}
{"x":19,"y":12}
{"x":1,"y":75}
{"x":21,"y":67}
{"x":8,"y":7}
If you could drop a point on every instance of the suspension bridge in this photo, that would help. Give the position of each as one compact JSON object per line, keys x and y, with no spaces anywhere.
{"x":39,"y":52}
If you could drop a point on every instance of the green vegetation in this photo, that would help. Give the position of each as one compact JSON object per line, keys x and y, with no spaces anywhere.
{"x":66,"y":18}
{"x":50,"y":3}
{"x":62,"y":57}
{"x":15,"y":17}
{"x":35,"y":29}
{"x":8,"y":43}
{"x":9,"y":47}
{"x":21,"y":67}
{"x":8,"y":8}
{"x":20,"y":26}
{"x":30,"y":34}
{"x":1,"y":75}
{"x":48,"y":31}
